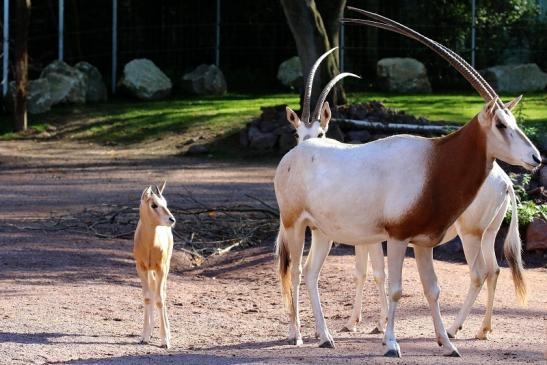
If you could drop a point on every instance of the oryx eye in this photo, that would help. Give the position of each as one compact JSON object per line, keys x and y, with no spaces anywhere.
{"x":154,"y":206}
{"x":500,"y":125}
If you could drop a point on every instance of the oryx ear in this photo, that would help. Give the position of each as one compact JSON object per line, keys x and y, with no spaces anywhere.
{"x":487,"y":112}
{"x":513,"y":103}
{"x":292,"y":117}
{"x":325,"y":116}
{"x":146,"y":193}
{"x":162,"y":187}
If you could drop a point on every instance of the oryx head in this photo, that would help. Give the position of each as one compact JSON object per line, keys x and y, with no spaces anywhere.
{"x":504,"y":139}
{"x":318,"y":124}
{"x":153,"y":209}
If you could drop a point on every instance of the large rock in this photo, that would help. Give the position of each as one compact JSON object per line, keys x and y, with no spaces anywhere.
{"x":205,"y":80}
{"x":39,"y":97}
{"x":516,"y":78}
{"x":536,"y":235}
{"x":144,"y":80}
{"x":543,"y":176}
{"x":290,"y":73}
{"x":405,"y":75}
{"x":95,"y":86}
{"x":261,"y":141}
{"x":66,"y":83}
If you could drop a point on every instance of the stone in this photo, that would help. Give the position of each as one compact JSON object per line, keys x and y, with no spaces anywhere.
{"x":543,"y":176}
{"x":290,"y":73}
{"x":66,"y":83}
{"x":335,"y":132}
{"x":198,"y":149}
{"x":39,"y":96}
{"x":405,"y":75}
{"x":536,"y":235}
{"x":361,"y":136}
{"x":286,"y":142}
{"x":261,"y":141}
{"x":515,"y":78}
{"x":95,"y":86}
{"x":144,"y":80}
{"x":205,"y":80}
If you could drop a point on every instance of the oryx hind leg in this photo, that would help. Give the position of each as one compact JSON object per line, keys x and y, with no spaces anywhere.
{"x":295,"y":245}
{"x":320,"y":247}
{"x":361,"y":261}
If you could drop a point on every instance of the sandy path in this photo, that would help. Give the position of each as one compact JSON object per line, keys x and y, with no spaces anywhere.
{"x":71,"y":298}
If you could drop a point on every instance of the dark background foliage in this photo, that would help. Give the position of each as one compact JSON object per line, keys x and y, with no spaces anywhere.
{"x":179,"y":35}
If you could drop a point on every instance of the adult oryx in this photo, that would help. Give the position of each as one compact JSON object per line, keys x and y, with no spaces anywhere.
{"x":402,"y":189}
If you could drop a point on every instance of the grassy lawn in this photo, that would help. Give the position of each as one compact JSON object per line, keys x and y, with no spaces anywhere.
{"x":131,"y":122}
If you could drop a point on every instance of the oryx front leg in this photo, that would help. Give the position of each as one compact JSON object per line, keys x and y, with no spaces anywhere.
{"x":473,"y":255}
{"x":424,"y":260}
{"x":161,"y":304}
{"x":361,"y":261}
{"x":148,"y":296}
{"x":376,"y":254}
{"x":318,"y":253}
{"x":395,"y":257}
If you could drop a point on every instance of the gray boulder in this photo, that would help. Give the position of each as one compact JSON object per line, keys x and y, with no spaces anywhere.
{"x":66,"y":83}
{"x":205,"y":80}
{"x":261,"y":141}
{"x":290,"y":73}
{"x":39,"y":97}
{"x":516,"y":78}
{"x":405,"y":75}
{"x":95,"y":86}
{"x":144,"y":80}
{"x":543,"y":176}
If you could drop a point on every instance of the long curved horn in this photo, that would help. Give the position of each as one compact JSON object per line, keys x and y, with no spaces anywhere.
{"x":470,"y":74}
{"x":309,"y":84}
{"x":325,"y":92}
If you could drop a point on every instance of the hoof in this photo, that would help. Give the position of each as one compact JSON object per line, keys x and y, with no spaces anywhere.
{"x":142,"y":341}
{"x":347,"y":329}
{"x":165,"y":346}
{"x":376,"y":331}
{"x":481,"y":336}
{"x":392,"y":353}
{"x":454,"y":353}
{"x":327,"y":345}
{"x":450,"y":335}
{"x":295,"y":342}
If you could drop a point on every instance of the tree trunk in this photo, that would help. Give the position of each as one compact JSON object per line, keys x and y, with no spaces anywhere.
{"x":21,"y":64}
{"x":313,"y":38}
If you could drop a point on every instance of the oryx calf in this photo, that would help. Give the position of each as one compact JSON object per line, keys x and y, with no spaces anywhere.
{"x":152,"y":252}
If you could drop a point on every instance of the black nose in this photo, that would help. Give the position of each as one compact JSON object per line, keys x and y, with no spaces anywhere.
{"x":171,"y":219}
{"x":537,"y":159}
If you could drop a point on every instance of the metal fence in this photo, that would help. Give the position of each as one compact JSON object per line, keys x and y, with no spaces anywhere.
{"x":178,"y":36}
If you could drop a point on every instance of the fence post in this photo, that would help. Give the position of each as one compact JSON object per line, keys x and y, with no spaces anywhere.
{"x":114,"y":44}
{"x":61,"y":34}
{"x":341,"y":50}
{"x":217,"y":36}
{"x":473,"y":31}
{"x":5,"y":54}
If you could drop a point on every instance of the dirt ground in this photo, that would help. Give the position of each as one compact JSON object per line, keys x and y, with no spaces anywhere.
{"x":68,"y":297}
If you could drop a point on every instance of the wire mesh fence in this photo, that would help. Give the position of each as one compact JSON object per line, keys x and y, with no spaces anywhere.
{"x":254,"y":40}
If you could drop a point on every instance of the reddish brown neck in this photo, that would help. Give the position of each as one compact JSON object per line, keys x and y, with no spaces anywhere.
{"x":458,"y":166}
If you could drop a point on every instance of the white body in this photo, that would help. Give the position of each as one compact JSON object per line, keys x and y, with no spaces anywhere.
{"x":477,"y":228}
{"x":402,"y":189}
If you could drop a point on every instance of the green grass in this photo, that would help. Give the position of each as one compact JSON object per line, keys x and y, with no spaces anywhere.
{"x":132,"y":122}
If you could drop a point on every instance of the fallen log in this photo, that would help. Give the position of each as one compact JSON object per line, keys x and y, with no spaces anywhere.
{"x":398,"y":127}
